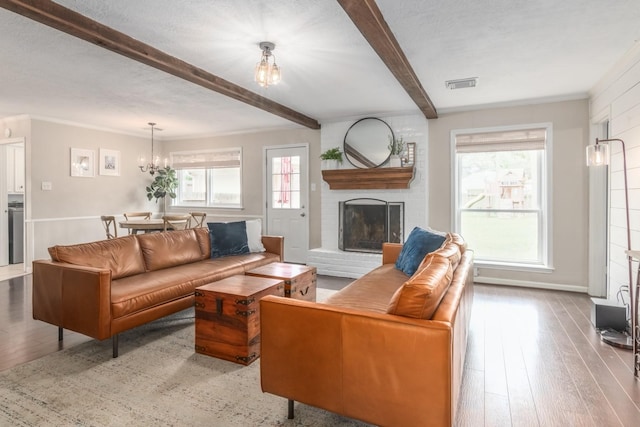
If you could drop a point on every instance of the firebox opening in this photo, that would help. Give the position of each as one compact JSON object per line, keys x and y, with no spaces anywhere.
{"x":365,"y":224}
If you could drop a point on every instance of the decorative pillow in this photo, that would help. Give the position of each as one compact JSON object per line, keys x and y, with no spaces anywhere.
{"x":228,"y":238}
{"x":419,"y":243}
{"x":420,"y":296}
{"x":254,"y":235}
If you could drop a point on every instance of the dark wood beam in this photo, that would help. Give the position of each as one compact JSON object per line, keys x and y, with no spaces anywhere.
{"x":369,"y":20}
{"x":70,"y":22}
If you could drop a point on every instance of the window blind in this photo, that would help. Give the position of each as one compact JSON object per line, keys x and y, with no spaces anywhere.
{"x":517,"y":140}
{"x":225,"y":158}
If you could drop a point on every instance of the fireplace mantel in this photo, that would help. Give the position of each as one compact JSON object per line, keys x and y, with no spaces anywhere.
{"x":368,"y":179}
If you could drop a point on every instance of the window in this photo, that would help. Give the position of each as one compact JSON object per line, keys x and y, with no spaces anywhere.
{"x":211,"y":178}
{"x":285,"y":176}
{"x":501,"y":200}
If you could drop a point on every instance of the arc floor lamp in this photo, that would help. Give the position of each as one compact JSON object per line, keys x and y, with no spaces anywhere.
{"x":598,"y":154}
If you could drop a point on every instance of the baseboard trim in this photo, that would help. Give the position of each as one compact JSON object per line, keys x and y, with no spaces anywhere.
{"x":530,"y":284}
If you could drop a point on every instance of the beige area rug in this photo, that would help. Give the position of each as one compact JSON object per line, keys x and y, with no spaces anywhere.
{"x":158,"y":380}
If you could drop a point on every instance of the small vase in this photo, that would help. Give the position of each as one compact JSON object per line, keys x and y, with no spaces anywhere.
{"x":330,"y":164}
{"x":395,"y":162}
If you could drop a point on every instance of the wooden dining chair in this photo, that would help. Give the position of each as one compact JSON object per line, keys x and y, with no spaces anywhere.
{"x":109,"y":221}
{"x":198,"y":219}
{"x":177,"y":222}
{"x":137,"y":215}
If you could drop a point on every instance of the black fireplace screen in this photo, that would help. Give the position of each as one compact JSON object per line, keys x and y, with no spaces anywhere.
{"x":365,"y":224}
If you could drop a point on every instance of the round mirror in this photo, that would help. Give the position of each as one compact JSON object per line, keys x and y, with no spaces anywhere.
{"x":366,"y":143}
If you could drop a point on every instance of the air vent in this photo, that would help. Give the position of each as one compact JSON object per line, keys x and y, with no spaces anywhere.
{"x":461,"y":83}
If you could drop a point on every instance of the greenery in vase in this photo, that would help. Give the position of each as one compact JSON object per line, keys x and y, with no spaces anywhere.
{"x":332,"y":154}
{"x":164,"y":184}
{"x":395,"y":147}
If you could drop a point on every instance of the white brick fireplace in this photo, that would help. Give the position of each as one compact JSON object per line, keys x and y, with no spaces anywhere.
{"x":328,"y":259}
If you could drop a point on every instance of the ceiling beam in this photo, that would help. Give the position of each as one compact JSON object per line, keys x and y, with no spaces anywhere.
{"x":369,"y":20}
{"x":70,"y":22}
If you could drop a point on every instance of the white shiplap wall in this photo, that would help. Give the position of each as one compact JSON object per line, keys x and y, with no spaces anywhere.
{"x":329,"y":259}
{"x":617,"y":97}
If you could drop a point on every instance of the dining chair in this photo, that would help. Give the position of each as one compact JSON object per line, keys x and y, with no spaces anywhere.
{"x":137,"y":215}
{"x":109,"y":221}
{"x":177,"y":222}
{"x":198,"y":219}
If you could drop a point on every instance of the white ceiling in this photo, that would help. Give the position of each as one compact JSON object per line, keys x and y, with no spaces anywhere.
{"x":521,"y":50}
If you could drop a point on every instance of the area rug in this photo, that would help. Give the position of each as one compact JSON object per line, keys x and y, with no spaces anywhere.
{"x":158,"y":380}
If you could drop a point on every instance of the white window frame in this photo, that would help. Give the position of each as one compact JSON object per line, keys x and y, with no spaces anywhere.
{"x":546,"y":224}
{"x":206,"y":164}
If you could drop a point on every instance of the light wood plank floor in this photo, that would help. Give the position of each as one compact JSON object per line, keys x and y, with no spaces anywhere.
{"x":533,"y":358}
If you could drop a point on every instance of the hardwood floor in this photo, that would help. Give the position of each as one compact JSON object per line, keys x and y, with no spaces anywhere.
{"x":533,"y":357}
{"x":23,"y":339}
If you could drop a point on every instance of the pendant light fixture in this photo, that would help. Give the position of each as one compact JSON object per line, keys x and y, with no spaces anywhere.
{"x":267,"y":71}
{"x":154,"y":164}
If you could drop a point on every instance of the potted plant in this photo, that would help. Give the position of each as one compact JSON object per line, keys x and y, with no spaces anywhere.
{"x":396,"y":148}
{"x":164,"y":184}
{"x":331,"y":158}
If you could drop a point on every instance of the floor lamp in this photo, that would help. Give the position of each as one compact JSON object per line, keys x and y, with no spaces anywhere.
{"x":598,"y":154}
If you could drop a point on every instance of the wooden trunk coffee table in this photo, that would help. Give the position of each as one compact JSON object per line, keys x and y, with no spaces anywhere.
{"x":228,"y":316}
{"x":299,"y":280}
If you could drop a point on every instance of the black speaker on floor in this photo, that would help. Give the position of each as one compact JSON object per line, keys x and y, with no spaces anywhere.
{"x":606,"y":314}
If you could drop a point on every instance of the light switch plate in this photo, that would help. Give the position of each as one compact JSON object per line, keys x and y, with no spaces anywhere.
{"x":46,"y":186}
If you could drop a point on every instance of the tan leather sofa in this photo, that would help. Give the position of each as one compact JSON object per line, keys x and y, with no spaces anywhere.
{"x":103,"y":288}
{"x":352,"y":356}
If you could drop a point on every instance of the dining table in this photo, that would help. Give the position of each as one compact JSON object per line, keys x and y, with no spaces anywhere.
{"x":144,"y":225}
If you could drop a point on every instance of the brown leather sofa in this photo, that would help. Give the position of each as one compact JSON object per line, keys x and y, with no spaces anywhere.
{"x":103,"y":288}
{"x":388,"y":349}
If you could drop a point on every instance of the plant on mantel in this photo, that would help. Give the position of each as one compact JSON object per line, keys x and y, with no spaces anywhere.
{"x":332,"y":155}
{"x":396,"y":147}
{"x":164,"y":184}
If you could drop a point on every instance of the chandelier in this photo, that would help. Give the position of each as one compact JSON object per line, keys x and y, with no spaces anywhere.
{"x":267,"y":71}
{"x":154,"y":164}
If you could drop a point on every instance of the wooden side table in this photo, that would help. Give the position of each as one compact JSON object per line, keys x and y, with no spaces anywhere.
{"x":228,"y":317}
{"x":299,"y":280}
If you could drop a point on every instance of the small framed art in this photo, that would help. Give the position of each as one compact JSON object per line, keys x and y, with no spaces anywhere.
{"x":82,"y":162}
{"x":109,"y":162}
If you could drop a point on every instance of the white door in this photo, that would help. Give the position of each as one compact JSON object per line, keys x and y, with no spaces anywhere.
{"x":287,"y":197}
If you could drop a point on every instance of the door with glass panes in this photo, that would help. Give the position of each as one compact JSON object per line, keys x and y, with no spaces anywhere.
{"x":287,"y":200}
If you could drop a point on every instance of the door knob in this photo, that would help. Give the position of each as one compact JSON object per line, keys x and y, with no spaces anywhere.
{"x":303,"y":214}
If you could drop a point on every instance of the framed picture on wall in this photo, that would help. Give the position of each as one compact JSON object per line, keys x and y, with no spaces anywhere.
{"x":82,"y":162}
{"x":109,"y":162}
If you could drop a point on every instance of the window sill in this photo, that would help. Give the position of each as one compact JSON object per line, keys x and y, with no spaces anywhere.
{"x":201,"y":207}
{"x":514,"y":266}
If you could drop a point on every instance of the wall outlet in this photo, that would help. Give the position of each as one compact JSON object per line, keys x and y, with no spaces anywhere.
{"x":46,"y":186}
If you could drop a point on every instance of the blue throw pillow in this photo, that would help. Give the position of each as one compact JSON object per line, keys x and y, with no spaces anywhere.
{"x":419,"y":243}
{"x":228,"y":238}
